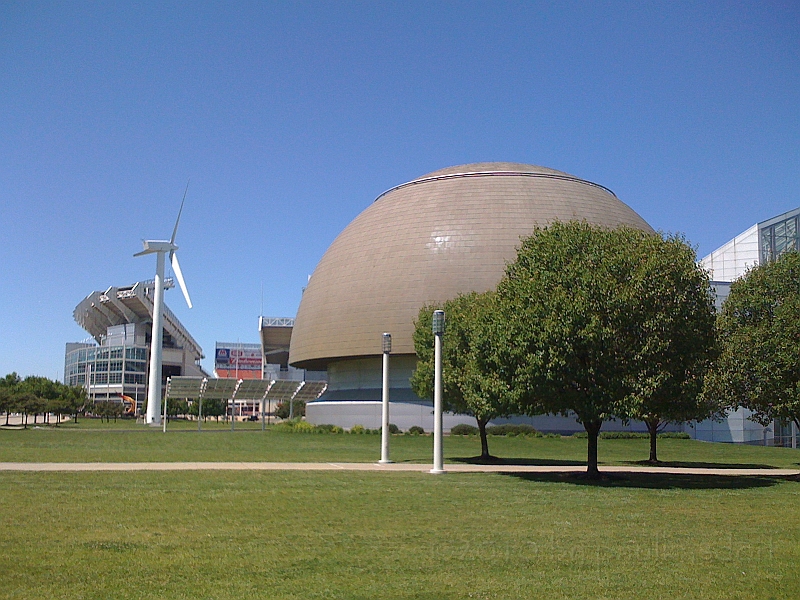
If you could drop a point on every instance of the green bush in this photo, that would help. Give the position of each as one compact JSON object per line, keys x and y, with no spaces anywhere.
{"x":464,"y":429}
{"x":509,"y":429}
{"x":675,"y":435}
{"x":553,"y":435}
{"x":416,"y":430}
{"x":327,"y":428}
{"x":622,"y":435}
{"x":393,"y":428}
{"x":358,"y":429}
{"x":295,"y":426}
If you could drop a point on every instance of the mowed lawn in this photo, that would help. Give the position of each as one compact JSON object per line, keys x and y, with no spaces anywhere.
{"x":227,"y":534}
{"x":128,"y":442}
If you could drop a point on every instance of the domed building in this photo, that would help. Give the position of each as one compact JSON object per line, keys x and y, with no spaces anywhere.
{"x":449,"y":232}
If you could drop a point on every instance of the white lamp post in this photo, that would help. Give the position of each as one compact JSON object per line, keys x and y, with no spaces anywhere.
{"x":438,"y":331}
{"x":387,"y":348}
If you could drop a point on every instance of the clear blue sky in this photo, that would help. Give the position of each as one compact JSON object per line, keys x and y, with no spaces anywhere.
{"x":291,"y":117}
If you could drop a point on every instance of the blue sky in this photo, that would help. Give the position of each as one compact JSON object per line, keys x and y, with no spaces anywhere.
{"x":291,"y":117}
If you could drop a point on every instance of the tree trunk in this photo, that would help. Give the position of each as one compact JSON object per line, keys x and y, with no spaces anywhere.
{"x":593,"y":429}
{"x":652,"y":429}
{"x":484,"y":441}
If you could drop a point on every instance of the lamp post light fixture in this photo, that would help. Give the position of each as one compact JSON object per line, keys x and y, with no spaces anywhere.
{"x":387,"y":348}
{"x":438,"y":332}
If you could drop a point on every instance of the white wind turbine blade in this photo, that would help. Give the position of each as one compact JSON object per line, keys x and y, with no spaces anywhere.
{"x":176,"y":268}
{"x":178,"y":220}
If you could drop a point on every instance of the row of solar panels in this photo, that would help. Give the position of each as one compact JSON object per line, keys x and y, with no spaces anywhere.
{"x":196,"y":388}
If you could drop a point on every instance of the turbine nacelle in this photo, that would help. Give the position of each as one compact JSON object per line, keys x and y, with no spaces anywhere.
{"x":153,"y":246}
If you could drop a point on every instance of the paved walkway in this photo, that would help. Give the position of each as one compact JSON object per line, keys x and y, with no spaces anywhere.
{"x":409,"y":467}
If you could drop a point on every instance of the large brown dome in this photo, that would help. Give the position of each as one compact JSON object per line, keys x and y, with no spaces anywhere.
{"x":448,"y":232}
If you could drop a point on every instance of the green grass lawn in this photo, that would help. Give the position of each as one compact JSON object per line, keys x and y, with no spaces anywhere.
{"x":388,"y":535}
{"x":396,"y":535}
{"x":91,"y":441}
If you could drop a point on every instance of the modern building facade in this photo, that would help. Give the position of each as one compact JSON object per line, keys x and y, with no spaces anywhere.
{"x":756,"y":245}
{"x":449,"y":232}
{"x":115,"y":367}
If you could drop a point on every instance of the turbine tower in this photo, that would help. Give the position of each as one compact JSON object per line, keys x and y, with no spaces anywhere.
{"x":160,"y":248}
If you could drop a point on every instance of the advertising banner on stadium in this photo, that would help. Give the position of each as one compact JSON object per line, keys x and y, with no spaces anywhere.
{"x":243,"y":358}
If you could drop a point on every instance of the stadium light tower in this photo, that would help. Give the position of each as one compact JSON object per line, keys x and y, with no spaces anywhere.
{"x":160,"y":248}
{"x":438,"y":332}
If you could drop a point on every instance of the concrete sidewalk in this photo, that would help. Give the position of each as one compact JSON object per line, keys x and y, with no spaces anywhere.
{"x":394,"y":467}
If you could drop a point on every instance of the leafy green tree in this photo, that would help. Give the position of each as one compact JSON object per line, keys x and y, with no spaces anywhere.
{"x":297,"y":408}
{"x":759,"y":329}
{"x":466,"y":389}
{"x":577,"y":321}
{"x":76,"y":400}
{"x":44,"y":392}
{"x":177,"y":406}
{"x":9,"y":386}
{"x":672,"y":310}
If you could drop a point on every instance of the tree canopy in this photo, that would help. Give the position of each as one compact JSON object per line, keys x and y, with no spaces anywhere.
{"x":466,"y":388}
{"x":673,"y":311}
{"x":759,"y":329}
{"x":595,"y":322}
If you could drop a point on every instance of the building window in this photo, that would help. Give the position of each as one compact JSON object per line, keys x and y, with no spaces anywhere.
{"x":778,"y":238}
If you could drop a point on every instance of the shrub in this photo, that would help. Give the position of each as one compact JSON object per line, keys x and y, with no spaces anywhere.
{"x":416,"y":430}
{"x":510,"y":429}
{"x":464,"y":429}
{"x":622,"y":435}
{"x":675,"y":435}
{"x":295,"y":426}
{"x":581,"y":435}
{"x":393,"y":428}
{"x":327,"y":428}
{"x":357,"y":429}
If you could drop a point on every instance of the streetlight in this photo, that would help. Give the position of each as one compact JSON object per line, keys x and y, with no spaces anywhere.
{"x":438,"y":331}
{"x":387,"y":348}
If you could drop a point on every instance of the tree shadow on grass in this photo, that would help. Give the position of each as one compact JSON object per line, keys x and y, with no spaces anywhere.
{"x":658,"y":481}
{"x":698,"y":464}
{"x":529,"y":462}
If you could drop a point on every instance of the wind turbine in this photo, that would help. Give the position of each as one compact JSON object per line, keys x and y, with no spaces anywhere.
{"x":160,"y":248}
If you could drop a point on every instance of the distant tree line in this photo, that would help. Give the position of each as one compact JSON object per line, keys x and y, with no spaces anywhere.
{"x":36,"y":396}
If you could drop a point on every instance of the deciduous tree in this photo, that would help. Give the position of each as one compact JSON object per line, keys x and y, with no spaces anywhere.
{"x":466,"y":389}
{"x":583,"y":316}
{"x":759,"y":329}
